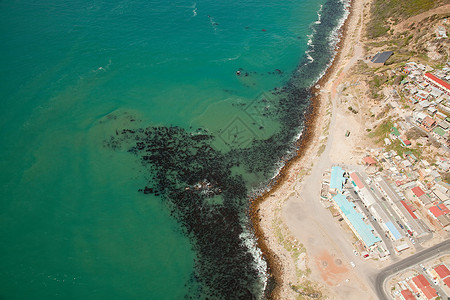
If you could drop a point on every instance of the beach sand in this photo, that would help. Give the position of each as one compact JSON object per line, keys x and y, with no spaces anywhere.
{"x":309,"y":252}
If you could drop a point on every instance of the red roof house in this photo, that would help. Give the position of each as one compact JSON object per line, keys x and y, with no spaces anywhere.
{"x":407,"y":295}
{"x":356,"y":180}
{"x":442,"y":271}
{"x":369,"y":160}
{"x":420,"y":281}
{"x":429,"y":292}
{"x":409,"y":209}
{"x":417,"y":191}
{"x":437,"y":82}
{"x":447,"y":281}
{"x":413,"y":287}
{"x":428,"y":123}
{"x":439,"y":210}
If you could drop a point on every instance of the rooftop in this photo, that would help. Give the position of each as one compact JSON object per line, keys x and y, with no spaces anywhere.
{"x":439,"y":210}
{"x":444,"y":220}
{"x":356,"y":180}
{"x":429,"y":292}
{"x":447,"y":281}
{"x":369,"y":160}
{"x":413,"y":287}
{"x":393,"y":230}
{"x":381,"y":58}
{"x":428,"y":121}
{"x":407,"y":295}
{"x":408,"y":208}
{"x":417,"y":191}
{"x":356,"y":219}
{"x":337,"y":178}
{"x":442,"y":271}
{"x":439,"y":131}
{"x":438,"y":80}
{"x":394,"y":131}
{"x":406,"y":142}
{"x":420,"y":281}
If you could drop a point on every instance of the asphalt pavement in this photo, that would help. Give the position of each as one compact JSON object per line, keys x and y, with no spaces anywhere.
{"x":436,"y":250}
{"x":374,"y":224}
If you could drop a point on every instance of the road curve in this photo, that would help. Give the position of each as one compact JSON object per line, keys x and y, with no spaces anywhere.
{"x":443,"y":247}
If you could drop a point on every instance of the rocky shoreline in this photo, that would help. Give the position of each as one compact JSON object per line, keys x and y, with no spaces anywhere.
{"x":305,"y":142}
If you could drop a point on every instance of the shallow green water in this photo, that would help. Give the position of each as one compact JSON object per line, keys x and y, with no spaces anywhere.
{"x":72,"y":223}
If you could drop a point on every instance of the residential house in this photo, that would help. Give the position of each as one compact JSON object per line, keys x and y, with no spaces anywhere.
{"x":428,"y":123}
{"x":438,"y":83}
{"x":440,"y":213}
{"x":424,"y":286}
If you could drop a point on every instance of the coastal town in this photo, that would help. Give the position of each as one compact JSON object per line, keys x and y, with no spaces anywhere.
{"x":394,"y":202}
{"x":225,"y":150}
{"x":379,"y":173}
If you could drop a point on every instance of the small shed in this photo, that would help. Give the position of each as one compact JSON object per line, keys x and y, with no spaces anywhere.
{"x":401,"y":247}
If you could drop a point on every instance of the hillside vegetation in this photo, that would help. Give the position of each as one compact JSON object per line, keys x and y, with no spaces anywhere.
{"x":387,"y":12}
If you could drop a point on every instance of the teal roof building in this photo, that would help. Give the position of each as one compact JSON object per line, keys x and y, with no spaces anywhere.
{"x":337,"y":178}
{"x":362,"y":230}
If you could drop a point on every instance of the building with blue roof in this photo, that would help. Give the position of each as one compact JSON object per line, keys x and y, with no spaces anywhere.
{"x":393,"y":231}
{"x":355,"y":220}
{"x":337,"y":178}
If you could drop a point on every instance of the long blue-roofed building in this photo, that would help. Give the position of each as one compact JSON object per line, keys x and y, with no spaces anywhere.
{"x":394,"y":233}
{"x":355,"y":220}
{"x":337,"y":178}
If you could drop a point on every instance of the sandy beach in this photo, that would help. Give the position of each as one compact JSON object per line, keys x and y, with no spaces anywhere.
{"x":309,"y":253}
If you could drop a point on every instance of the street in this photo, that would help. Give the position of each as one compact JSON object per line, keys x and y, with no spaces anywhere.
{"x":438,"y":249}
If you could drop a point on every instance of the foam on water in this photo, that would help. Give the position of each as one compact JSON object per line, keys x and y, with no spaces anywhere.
{"x":249,"y":241}
{"x":70,"y":204}
{"x":318,"y":15}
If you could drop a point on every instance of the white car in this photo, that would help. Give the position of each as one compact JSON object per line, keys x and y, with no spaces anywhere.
{"x":352,"y":264}
{"x":355,"y":252}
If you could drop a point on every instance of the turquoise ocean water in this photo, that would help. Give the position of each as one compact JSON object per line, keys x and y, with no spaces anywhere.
{"x":89,"y":213}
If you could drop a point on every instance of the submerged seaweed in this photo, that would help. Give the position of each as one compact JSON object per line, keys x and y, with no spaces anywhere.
{"x":187,"y":172}
{"x":209,"y":200}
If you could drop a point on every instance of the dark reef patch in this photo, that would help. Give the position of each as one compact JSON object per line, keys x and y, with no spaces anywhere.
{"x":201,"y":191}
{"x":187,"y":171}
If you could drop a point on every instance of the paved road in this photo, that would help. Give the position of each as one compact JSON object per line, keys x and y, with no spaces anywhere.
{"x":443,"y":247}
{"x":374,"y":224}
{"x":420,"y":227}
